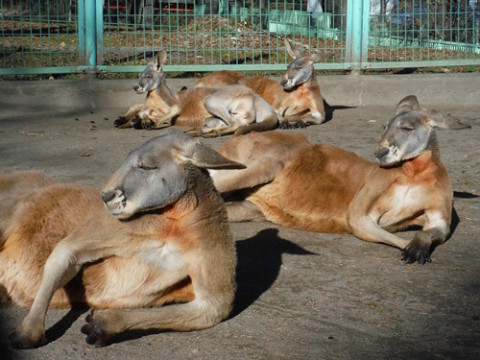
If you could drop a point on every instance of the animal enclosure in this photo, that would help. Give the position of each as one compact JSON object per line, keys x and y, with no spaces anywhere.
{"x":75,"y":36}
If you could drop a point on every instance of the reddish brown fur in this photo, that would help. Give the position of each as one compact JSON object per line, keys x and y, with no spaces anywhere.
{"x":185,"y":108}
{"x":324,"y":199}
{"x":193,"y":112}
{"x":182,"y":253}
{"x":327,"y":189}
{"x":291,"y":106}
{"x":301,"y":101}
{"x":301,"y":104}
{"x":53,"y":212}
{"x":219,"y":79}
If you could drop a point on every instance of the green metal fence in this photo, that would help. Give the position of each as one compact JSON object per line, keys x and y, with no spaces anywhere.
{"x":67,"y":36}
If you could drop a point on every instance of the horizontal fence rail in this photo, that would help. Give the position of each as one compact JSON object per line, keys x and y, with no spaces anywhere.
{"x":67,"y":36}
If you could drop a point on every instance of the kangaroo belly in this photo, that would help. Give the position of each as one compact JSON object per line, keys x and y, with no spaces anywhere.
{"x":308,"y":216}
{"x":314,"y":190}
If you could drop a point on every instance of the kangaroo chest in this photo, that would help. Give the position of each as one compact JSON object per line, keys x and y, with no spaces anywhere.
{"x":402,"y":203}
{"x":164,"y":256}
{"x":156,"y":104}
{"x":300,"y":98}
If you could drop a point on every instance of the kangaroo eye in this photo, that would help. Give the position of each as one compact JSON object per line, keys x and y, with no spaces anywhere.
{"x":407,"y":127}
{"x":143,"y":166}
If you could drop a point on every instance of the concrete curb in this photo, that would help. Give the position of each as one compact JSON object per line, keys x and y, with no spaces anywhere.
{"x":442,"y":91}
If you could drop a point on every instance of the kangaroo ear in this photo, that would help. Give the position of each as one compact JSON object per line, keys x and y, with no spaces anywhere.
{"x":292,"y":49}
{"x":408,"y":103}
{"x":160,"y":59}
{"x":312,"y":58}
{"x":205,"y":157}
{"x":442,"y":121}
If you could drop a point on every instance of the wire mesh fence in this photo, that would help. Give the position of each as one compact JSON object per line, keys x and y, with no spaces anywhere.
{"x":424,"y":31}
{"x":63,"y":36}
{"x":37,"y":34}
{"x":216,"y":33}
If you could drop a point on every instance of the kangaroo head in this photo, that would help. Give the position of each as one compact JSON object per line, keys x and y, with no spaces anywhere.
{"x":153,"y":76}
{"x":300,"y":70}
{"x":159,"y":173}
{"x":407,"y":135}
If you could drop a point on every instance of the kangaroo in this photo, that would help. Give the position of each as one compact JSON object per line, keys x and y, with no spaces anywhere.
{"x":296,"y":99}
{"x":213,"y":112}
{"x":156,"y":234}
{"x":220,"y":79}
{"x":323,"y":188}
{"x":246,"y":111}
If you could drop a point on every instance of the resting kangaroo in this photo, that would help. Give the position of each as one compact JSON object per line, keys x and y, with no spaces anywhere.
{"x":323,"y":188}
{"x":222,"y":111}
{"x":296,"y":99}
{"x":158,"y":234}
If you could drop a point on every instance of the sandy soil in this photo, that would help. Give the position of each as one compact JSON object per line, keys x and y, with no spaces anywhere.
{"x":300,"y":295}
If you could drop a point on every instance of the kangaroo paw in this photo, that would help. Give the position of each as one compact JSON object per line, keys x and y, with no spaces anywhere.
{"x":120,"y":122}
{"x":417,"y":251}
{"x":98,"y":328}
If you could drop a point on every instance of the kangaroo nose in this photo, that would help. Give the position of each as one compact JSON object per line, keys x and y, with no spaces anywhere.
{"x":138,"y":89}
{"x":381,"y":151}
{"x":108,"y":195}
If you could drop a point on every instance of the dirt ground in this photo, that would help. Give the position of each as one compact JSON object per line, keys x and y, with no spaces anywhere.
{"x":300,"y":295}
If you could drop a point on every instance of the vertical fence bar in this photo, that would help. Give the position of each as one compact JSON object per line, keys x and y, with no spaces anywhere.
{"x":82,"y":60}
{"x":353,"y":40}
{"x":90,"y":34}
{"x":357,"y":34}
{"x":99,"y":23}
{"x":365,"y":16}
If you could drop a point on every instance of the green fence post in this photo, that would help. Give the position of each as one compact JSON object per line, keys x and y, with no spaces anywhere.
{"x":90,"y":34}
{"x":357,"y":34}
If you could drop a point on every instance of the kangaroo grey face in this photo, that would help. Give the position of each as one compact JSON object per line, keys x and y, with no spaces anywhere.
{"x":149,"y":79}
{"x":298,"y":72}
{"x":149,"y":178}
{"x":405,"y":137}
{"x":159,"y":173}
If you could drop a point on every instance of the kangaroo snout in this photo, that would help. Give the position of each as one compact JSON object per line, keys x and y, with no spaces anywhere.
{"x":139,"y":89}
{"x":381,"y":151}
{"x":108,"y":195}
{"x":115,"y":202}
{"x":287,"y":84}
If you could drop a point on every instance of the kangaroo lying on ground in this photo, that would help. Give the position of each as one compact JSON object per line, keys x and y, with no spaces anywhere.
{"x":219,"y":79}
{"x":296,"y":99}
{"x":323,"y":188}
{"x":231,"y":109}
{"x":157,"y":234}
